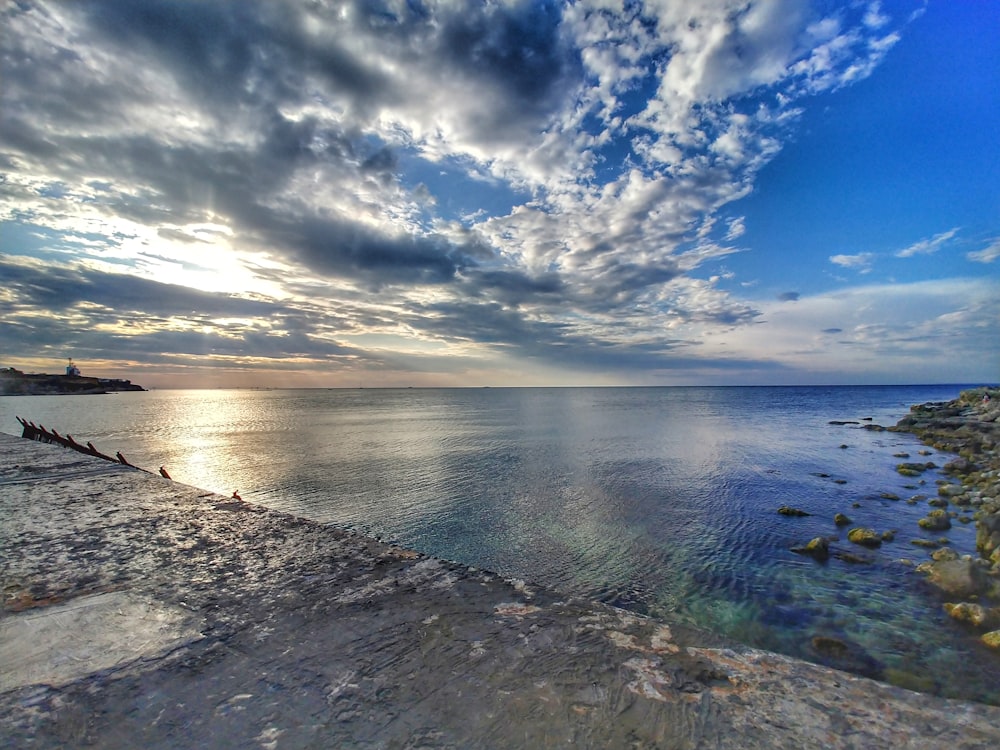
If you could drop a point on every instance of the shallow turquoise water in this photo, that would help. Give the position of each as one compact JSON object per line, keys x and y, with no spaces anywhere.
{"x":661,"y":500}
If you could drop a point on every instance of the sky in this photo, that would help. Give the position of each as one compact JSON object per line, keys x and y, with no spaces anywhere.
{"x":308,"y":193}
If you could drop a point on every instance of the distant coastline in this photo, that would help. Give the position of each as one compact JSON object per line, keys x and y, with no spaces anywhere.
{"x":16,"y":383}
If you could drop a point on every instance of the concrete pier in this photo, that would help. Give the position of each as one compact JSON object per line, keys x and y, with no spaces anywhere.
{"x":139,"y":612}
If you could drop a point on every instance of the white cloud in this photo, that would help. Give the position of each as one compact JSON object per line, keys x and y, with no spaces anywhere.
{"x":736,"y":228}
{"x":927,"y":247}
{"x":937,"y":330}
{"x":988,"y":254}
{"x":861,"y":262}
{"x":609,"y":139}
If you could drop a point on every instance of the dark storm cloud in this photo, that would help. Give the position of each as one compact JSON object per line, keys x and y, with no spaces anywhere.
{"x":188,"y":181}
{"x":832,"y":330}
{"x":210,"y":47}
{"x":512,"y":287}
{"x":517,"y":47}
{"x":247,"y":50}
{"x":382,"y":165}
{"x":340,"y":248}
{"x":620,"y":280}
{"x":258,"y":54}
{"x":789,"y":296}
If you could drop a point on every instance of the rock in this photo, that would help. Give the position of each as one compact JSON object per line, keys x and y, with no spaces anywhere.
{"x":925,"y":543}
{"x":959,"y":579}
{"x":850,"y":557}
{"x":841,"y":520}
{"x":888,"y":536}
{"x":818,"y":548}
{"x":841,"y":654}
{"x":843,"y":446}
{"x":987,"y":532}
{"x":786,"y":510}
{"x":909,"y":680}
{"x":943,"y":555}
{"x":911,"y":469}
{"x":889,"y":496}
{"x":936,"y":520}
{"x":959,"y":466}
{"x":974,"y":613}
{"x":991,"y":639}
{"x":829,"y":646}
{"x":864,"y":537}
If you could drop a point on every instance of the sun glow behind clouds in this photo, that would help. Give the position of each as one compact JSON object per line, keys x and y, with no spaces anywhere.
{"x":428,"y":189}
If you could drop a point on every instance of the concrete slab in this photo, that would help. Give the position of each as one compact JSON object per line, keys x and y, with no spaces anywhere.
{"x":275,"y":632}
{"x":57,"y":644}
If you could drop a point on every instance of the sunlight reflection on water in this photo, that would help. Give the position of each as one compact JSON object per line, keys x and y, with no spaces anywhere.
{"x":659,"y":499}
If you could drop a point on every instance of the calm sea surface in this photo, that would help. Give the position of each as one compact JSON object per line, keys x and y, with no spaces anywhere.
{"x":659,"y":500}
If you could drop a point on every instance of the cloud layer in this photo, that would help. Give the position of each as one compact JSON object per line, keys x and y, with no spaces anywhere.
{"x":434,"y":189}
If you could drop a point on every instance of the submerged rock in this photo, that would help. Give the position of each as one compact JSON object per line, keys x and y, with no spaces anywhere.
{"x":841,"y":520}
{"x":908,"y":680}
{"x":786,"y":510}
{"x":960,"y":578}
{"x":843,"y":654}
{"x":818,"y":547}
{"x":850,"y":557}
{"x":908,"y":469}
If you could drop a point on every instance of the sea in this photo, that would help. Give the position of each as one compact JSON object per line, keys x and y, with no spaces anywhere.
{"x":662,"y":501}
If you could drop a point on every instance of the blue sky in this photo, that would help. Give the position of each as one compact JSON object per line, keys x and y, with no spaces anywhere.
{"x":527,"y":193}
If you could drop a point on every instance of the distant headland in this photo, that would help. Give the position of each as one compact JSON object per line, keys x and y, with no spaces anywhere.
{"x":16,"y":383}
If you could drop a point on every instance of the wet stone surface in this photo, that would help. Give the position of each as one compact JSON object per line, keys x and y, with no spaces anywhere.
{"x":269,"y":631}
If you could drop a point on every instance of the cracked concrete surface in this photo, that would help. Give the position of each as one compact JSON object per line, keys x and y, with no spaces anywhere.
{"x":155,"y":614}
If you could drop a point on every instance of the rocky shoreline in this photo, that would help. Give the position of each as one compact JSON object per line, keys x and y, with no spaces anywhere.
{"x":968,"y":426}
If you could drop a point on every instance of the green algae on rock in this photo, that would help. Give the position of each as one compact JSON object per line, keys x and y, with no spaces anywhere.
{"x":864,"y":537}
{"x":819,"y":548}
{"x":936,"y":520}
